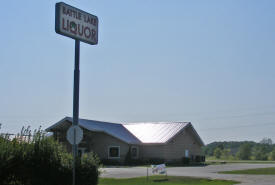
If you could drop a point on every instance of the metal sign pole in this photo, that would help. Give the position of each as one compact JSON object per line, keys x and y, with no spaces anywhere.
{"x":76,"y":84}
{"x":68,"y":24}
{"x":76,"y":101}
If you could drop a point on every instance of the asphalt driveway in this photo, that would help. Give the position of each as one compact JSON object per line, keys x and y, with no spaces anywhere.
{"x":206,"y":171}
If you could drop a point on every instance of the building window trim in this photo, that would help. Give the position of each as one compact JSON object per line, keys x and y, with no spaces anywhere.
{"x":109,"y":147}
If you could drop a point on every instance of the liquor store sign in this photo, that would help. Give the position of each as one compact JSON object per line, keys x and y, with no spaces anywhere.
{"x":75,"y":23}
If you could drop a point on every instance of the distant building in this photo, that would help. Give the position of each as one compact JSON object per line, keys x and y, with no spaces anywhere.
{"x":170,"y":141}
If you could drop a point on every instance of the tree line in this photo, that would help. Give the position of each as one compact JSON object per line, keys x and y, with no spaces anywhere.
{"x":242,"y":150}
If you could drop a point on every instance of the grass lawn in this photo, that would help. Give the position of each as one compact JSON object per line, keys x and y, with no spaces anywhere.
{"x":162,"y":180}
{"x":256,"y":171}
{"x":220,"y":161}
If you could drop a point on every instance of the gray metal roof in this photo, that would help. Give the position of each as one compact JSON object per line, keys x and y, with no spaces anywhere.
{"x":156,"y":132}
{"x":114,"y":129}
{"x":132,"y":133}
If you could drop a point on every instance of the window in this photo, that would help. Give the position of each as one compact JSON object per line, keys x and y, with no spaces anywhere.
{"x":134,"y":152}
{"x":114,"y":152}
{"x":186,"y":153}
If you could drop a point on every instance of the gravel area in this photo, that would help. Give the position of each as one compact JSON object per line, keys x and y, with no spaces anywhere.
{"x":206,"y":171}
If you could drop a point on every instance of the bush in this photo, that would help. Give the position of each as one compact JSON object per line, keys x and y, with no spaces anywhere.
{"x":40,"y":160}
{"x":185,"y":160}
{"x":136,"y":162}
{"x":110,"y":162}
{"x":155,"y":161}
{"x":87,"y":170}
{"x":200,"y":159}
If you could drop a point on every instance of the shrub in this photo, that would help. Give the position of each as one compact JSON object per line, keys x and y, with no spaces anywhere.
{"x":87,"y":170}
{"x":41,"y":160}
{"x":155,"y":161}
{"x":110,"y":162}
{"x":199,"y":159}
{"x":185,"y":160}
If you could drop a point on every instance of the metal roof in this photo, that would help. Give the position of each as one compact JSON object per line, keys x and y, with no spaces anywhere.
{"x":133,"y":133}
{"x":114,"y":129}
{"x":156,"y":132}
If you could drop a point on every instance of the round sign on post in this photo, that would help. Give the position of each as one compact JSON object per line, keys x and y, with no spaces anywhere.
{"x":74,"y":135}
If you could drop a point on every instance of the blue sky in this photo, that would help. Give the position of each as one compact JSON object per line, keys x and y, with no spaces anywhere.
{"x":208,"y":62}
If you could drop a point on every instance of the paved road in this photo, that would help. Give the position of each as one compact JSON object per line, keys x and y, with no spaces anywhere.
{"x":207,"y":172}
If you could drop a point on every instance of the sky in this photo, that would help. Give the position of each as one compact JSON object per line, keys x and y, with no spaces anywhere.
{"x":210,"y":62}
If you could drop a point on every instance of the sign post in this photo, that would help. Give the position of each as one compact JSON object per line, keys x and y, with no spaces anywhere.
{"x":76,"y":100}
{"x":81,"y":26}
{"x":74,"y":136}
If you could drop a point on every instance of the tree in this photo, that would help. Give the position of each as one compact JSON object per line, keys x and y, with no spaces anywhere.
{"x":260,"y":152}
{"x":218,"y":153}
{"x":244,"y":152}
{"x":221,"y":146}
{"x":266,"y":141}
{"x":272,"y":155}
{"x":226,"y":153}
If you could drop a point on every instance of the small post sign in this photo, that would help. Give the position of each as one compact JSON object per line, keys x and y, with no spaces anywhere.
{"x":75,"y":23}
{"x":74,"y":135}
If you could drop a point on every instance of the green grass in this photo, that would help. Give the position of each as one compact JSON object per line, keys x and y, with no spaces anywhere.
{"x":222,"y":161}
{"x":162,"y":180}
{"x":256,"y":171}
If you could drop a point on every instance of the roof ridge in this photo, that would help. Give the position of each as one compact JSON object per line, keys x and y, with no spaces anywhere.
{"x":160,"y":122}
{"x":96,"y":121}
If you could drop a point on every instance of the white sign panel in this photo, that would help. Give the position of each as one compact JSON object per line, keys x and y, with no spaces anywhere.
{"x":160,"y":169}
{"x":74,"y":135}
{"x":75,"y":23}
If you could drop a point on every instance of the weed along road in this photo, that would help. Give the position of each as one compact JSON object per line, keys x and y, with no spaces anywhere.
{"x":210,"y":171}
